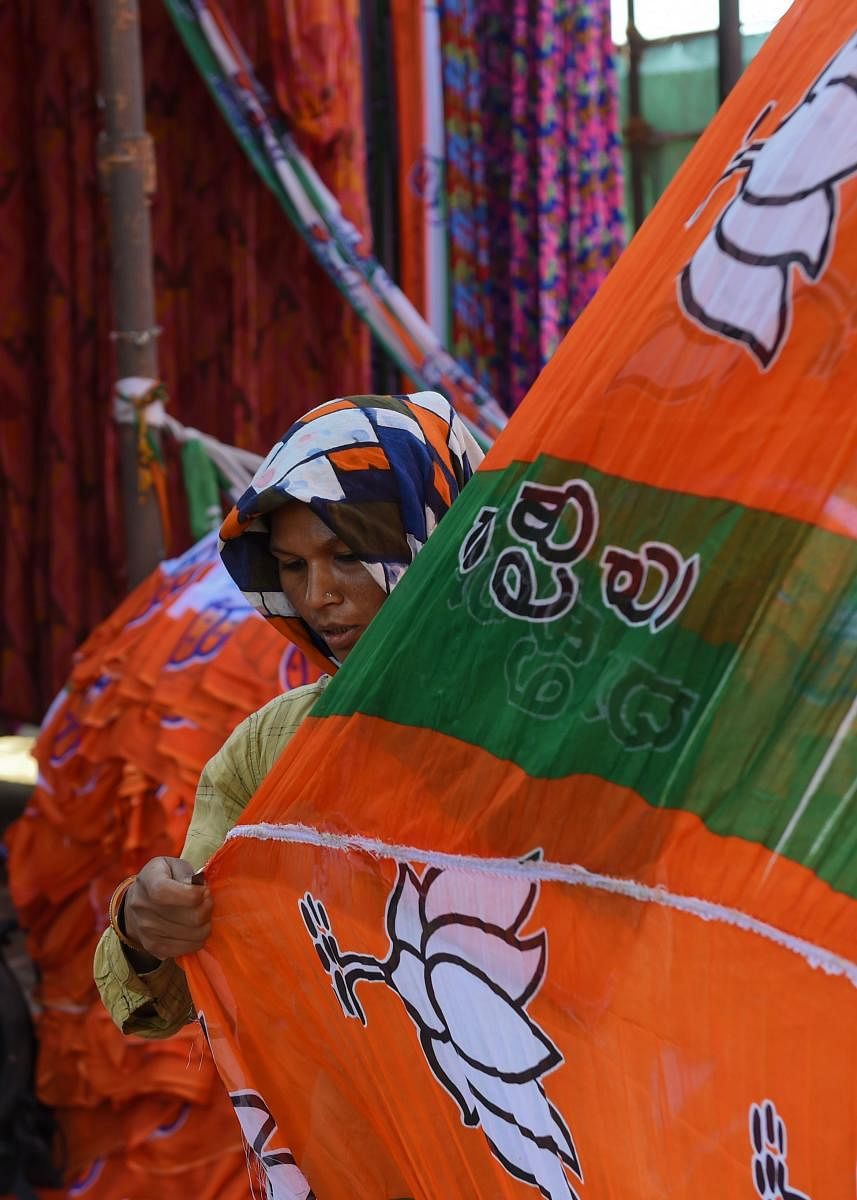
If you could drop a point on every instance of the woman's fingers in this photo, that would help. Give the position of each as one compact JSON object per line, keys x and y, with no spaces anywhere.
{"x":163,"y":888}
{"x":156,"y":926}
{"x":166,"y":939}
{"x":164,"y":913}
{"x":176,"y":913}
{"x":179,"y":869}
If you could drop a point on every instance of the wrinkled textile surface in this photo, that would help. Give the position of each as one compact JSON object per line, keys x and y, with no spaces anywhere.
{"x":254,"y":333}
{"x":316,"y":54}
{"x":563,"y":890}
{"x":534,"y":182}
{"x":153,"y":694}
{"x":416,"y":180}
{"x":336,"y":243}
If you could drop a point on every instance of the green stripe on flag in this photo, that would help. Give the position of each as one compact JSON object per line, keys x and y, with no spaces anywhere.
{"x":736,"y":709}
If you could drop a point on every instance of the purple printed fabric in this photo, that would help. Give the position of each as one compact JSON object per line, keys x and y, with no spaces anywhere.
{"x":534,"y":180}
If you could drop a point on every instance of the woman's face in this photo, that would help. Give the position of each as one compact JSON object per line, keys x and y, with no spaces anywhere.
{"x":324,"y":582}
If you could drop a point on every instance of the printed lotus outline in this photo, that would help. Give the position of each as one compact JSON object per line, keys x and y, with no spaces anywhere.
{"x":466,"y":974}
{"x":781,"y":222}
{"x":769,"y":1166}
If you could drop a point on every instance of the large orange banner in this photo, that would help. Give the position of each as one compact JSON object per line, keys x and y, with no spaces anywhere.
{"x":555,"y":892}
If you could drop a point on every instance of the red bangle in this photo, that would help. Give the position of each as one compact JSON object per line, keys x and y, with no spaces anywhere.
{"x":113,"y":910}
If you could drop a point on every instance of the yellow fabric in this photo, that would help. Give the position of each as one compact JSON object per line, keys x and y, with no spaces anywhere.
{"x":158,"y":1003}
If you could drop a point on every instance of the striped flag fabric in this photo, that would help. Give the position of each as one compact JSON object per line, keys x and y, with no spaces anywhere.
{"x":555,"y":892}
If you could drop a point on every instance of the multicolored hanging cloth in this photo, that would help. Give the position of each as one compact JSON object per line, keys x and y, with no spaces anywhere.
{"x":534,"y":181}
{"x":468,"y":199}
{"x":560,"y":897}
{"x":406,"y":337}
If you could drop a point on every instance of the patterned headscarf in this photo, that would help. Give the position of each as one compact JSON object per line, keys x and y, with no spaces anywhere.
{"x":380,"y":471}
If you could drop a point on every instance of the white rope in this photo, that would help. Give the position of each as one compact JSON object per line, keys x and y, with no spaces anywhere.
{"x":548,"y":872}
{"x":237,"y":466}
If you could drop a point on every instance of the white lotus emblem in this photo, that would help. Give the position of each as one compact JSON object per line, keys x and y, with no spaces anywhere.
{"x":466,"y":975}
{"x":781,"y":221}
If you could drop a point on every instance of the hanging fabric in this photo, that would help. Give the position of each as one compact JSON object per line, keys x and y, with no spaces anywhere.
{"x":434,"y":159}
{"x":415,"y":179}
{"x":467,"y":197}
{"x":202,"y":488}
{"x":334,"y":241}
{"x":319,"y":88}
{"x":555,"y":892}
{"x":316,"y":60}
{"x":535,"y":186}
{"x":153,"y":694}
{"x":423,"y":193}
{"x":254,"y":333}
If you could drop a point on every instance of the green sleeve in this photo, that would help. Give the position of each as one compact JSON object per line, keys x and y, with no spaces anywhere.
{"x":232,"y":777}
{"x":158,"y":1003}
{"x":224,"y":790}
{"x":154,"y":1005}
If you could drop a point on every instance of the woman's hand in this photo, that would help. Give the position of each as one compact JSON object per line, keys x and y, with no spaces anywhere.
{"x":164,"y":913}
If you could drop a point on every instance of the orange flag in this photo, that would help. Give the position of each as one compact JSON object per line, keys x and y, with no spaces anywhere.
{"x":554,"y":893}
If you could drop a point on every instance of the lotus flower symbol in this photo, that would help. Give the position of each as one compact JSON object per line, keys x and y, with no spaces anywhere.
{"x":782,"y":221}
{"x":466,"y":975}
{"x":770,"y":1149}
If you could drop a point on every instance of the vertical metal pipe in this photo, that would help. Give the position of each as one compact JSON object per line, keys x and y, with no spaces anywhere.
{"x":635,"y":125}
{"x":729,"y":61}
{"x":127,"y":169}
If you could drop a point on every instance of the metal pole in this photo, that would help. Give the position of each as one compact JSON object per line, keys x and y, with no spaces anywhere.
{"x":636,"y":129}
{"x":127,"y":169}
{"x":729,"y":63}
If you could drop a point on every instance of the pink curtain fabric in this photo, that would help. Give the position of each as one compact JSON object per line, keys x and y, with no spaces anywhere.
{"x":535,"y":190}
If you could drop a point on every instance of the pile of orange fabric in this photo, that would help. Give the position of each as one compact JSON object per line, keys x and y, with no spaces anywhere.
{"x":153,"y":694}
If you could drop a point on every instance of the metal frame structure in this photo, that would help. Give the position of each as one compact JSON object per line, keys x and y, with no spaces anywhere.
{"x":640,"y":137}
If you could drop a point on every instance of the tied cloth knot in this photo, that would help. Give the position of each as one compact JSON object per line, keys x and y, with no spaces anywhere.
{"x":142,"y":402}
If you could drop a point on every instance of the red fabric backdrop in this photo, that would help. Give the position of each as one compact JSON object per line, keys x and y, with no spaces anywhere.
{"x":253,"y":331}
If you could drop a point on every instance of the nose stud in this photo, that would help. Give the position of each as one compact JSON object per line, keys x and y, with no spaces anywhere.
{"x":328,"y":595}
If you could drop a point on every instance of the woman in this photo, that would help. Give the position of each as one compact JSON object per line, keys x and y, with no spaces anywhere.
{"x":328,"y":526}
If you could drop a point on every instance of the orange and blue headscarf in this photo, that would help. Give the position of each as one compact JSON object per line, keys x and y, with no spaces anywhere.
{"x":380,"y":471}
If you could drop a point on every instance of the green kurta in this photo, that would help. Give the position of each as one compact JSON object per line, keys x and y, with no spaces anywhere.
{"x":158,"y":1003}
